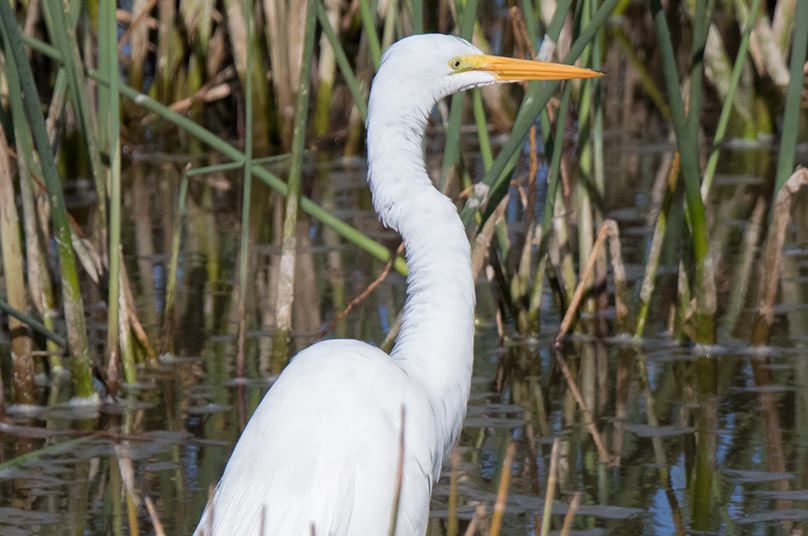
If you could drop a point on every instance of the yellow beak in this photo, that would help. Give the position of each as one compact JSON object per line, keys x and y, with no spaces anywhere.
{"x":516,"y":69}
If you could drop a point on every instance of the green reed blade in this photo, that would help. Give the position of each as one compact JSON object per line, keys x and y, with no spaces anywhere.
{"x":646,"y":79}
{"x":352,"y":235}
{"x":451,"y":150}
{"x":549,"y":204}
{"x":369,"y":25}
{"x":167,"y":332}
{"x":105,"y":44}
{"x":482,"y":129}
{"x":654,"y":253}
{"x":557,"y":22}
{"x":726,"y":108}
{"x":246,"y":197}
{"x":71,"y":291}
{"x":583,"y":186}
{"x":109,"y":122}
{"x":417,"y":16}
{"x":686,"y":129}
{"x":536,"y":98}
{"x":359,"y":98}
{"x":701,"y":26}
{"x":530,"y":22}
{"x":792,"y":112}
{"x":686,"y":144}
{"x":391,"y":20}
{"x":599,"y":173}
{"x":39,"y":281}
{"x":64,"y":35}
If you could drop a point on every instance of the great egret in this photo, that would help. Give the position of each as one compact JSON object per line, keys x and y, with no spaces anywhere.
{"x":320,"y":455}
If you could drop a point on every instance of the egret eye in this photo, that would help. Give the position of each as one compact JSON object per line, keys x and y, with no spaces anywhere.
{"x":455,"y":63}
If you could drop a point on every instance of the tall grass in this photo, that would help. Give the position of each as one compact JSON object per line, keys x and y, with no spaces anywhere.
{"x":229,"y":87}
{"x":556,"y":242}
{"x":71,"y":291}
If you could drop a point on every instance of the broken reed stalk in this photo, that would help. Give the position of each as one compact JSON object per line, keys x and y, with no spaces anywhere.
{"x":71,"y":291}
{"x":589,"y":418}
{"x":772,"y":257}
{"x":608,"y":230}
{"x":502,"y":490}
{"x":286,"y":272}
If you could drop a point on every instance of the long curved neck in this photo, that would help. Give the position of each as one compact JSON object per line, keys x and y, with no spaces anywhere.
{"x":435,"y":345}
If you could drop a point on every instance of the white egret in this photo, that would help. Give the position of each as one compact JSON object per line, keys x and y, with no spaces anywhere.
{"x":320,"y":455}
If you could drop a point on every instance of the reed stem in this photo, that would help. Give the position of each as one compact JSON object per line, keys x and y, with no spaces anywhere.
{"x":246,"y":198}
{"x":792,"y":113}
{"x":536,"y":98}
{"x":348,"y":232}
{"x":686,"y":129}
{"x":80,"y":365}
{"x":286,"y":274}
{"x":108,"y":62}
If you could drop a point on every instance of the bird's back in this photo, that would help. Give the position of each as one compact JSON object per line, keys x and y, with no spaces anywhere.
{"x":322,"y":451}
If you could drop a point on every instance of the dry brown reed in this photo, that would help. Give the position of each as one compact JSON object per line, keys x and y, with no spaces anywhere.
{"x":772,"y":257}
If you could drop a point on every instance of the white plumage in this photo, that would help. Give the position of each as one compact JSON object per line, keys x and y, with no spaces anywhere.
{"x":320,"y":453}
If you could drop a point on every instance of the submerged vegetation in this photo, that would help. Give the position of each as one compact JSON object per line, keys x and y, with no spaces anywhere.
{"x":253,"y":95}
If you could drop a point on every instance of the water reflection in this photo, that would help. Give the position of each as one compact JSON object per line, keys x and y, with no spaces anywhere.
{"x":171,"y":444}
{"x":709,"y":443}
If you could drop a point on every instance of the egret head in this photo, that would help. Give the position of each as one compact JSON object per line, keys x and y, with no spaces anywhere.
{"x":419,"y":70}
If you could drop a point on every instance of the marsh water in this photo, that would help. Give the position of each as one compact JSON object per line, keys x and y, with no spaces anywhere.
{"x":168,"y":437}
